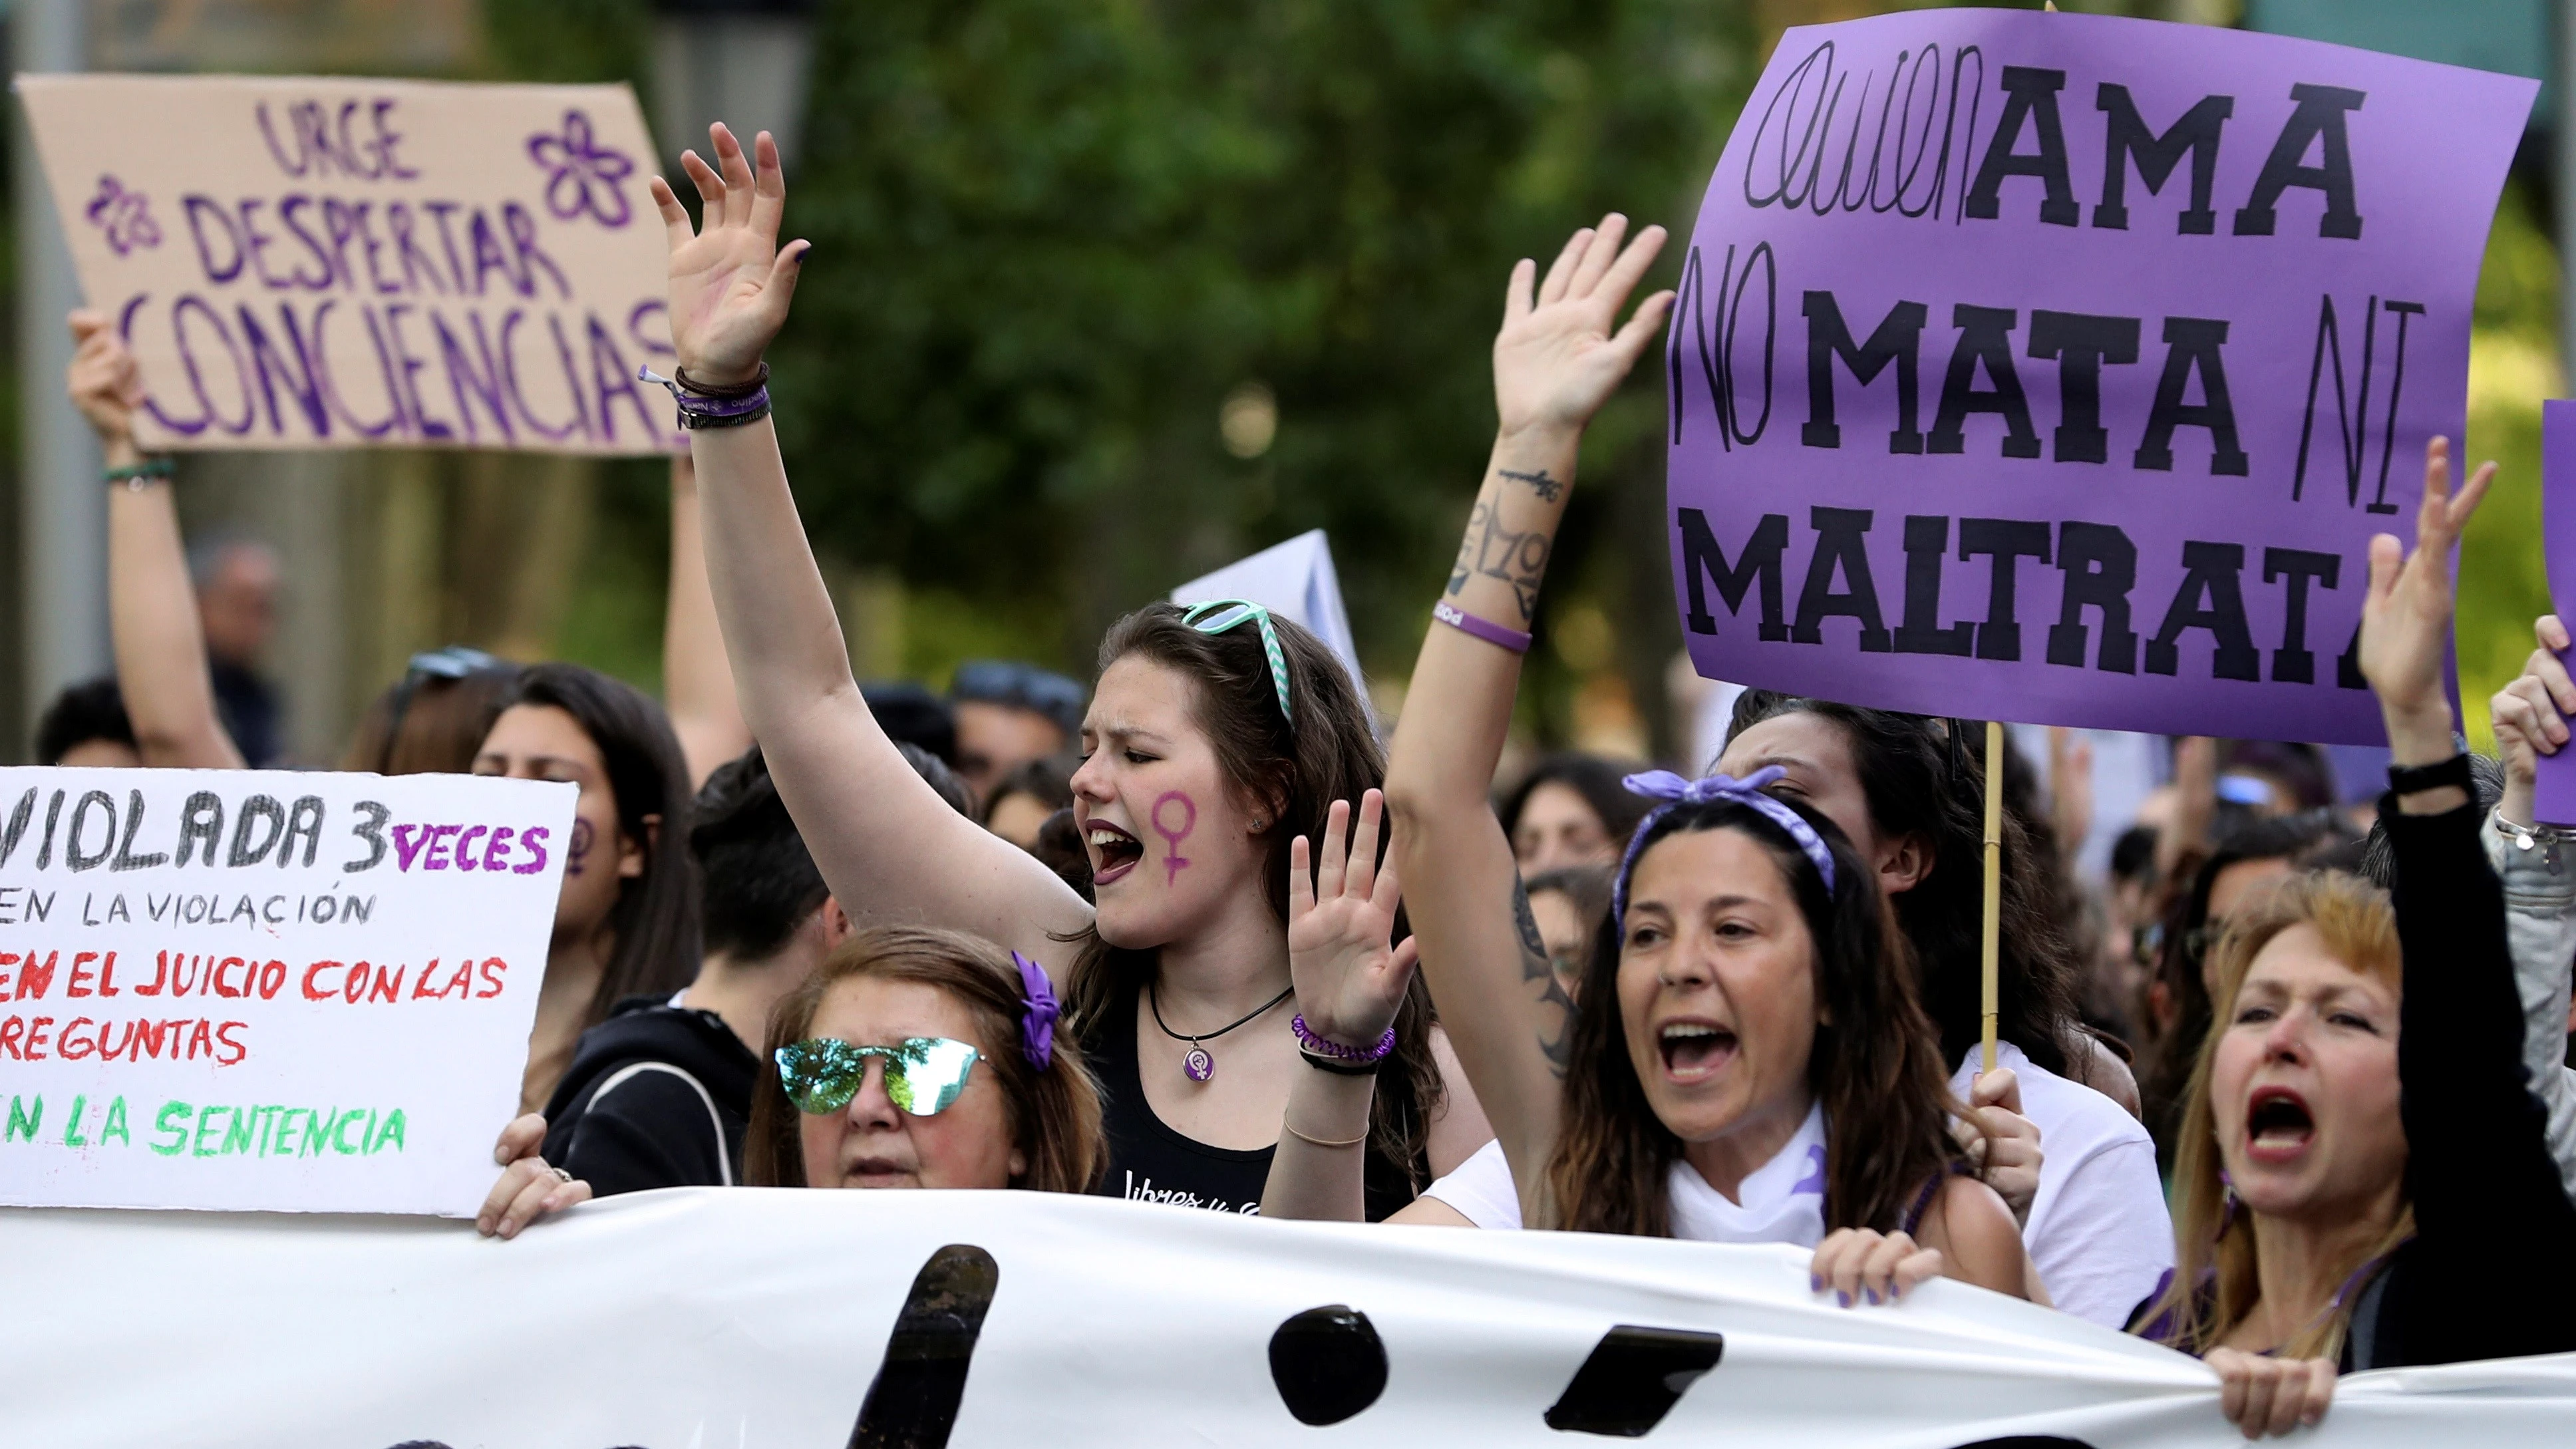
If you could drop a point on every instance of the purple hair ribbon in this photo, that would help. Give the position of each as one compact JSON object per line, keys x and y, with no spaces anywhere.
{"x":1037,"y":1028}
{"x":1673,"y":790}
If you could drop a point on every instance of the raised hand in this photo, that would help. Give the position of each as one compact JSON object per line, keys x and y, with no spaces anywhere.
{"x":1557,"y":358}
{"x":2406,"y":617}
{"x":106,"y":385}
{"x":2531,"y":713}
{"x":1349,"y":978}
{"x":730,"y":280}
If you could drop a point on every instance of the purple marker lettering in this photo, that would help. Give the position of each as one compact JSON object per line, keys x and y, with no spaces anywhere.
{"x":500,"y":845}
{"x":534,"y":838}
{"x":510,"y":377}
{"x":1173,"y":860}
{"x":465,"y":846}
{"x":408,"y":839}
{"x":439,"y":837}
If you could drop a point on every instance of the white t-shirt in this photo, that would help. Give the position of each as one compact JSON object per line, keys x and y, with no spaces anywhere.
{"x":2098,"y":1230}
{"x":1782,"y":1201}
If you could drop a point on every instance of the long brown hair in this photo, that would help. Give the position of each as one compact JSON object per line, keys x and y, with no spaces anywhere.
{"x":1054,"y":1114}
{"x":1291,"y":771}
{"x":1876,"y":1067}
{"x":1922,"y":778}
{"x":2217,"y":1267}
{"x":655,"y":920}
{"x":429,"y":724}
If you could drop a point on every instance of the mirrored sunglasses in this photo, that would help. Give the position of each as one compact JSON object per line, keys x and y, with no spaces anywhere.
{"x":923,"y":1076}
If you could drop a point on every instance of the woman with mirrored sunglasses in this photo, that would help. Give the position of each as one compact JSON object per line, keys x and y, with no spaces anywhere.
{"x":924,"y":1058}
{"x":912,"y":1057}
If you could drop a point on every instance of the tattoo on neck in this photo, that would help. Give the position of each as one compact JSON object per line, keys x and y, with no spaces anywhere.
{"x":1548,"y":489}
{"x":1518,"y":559}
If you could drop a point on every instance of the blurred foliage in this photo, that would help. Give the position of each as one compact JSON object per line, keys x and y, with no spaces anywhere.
{"x":2513,"y":364}
{"x":569,"y":41}
{"x":1052,"y":235}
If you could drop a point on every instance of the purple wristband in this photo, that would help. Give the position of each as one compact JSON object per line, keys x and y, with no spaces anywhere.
{"x":1324,"y":1047}
{"x":1485,"y":629}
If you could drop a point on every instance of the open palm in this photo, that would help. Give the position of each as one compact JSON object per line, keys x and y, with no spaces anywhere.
{"x":2406,"y":616}
{"x":1349,"y":978}
{"x":730,"y":280}
{"x":1558,"y":358}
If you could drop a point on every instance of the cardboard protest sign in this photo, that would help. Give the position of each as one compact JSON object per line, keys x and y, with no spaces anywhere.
{"x":759,"y":1318}
{"x":2060,"y":367}
{"x":301,"y":262}
{"x":1294,"y":580}
{"x":263,"y":989}
{"x":2555,"y":789}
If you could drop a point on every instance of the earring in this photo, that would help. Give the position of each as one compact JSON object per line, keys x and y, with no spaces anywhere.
{"x":1259,"y":824}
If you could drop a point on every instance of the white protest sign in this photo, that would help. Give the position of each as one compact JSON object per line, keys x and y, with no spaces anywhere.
{"x":265,"y":989}
{"x":302,"y":262}
{"x":783,"y":1319}
{"x":1294,"y":580}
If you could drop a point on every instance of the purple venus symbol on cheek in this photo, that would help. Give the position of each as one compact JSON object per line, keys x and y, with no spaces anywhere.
{"x":1173,"y":835}
{"x":577,"y":849}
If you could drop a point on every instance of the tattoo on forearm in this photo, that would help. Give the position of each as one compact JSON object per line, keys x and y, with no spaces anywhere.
{"x":1518,"y":559}
{"x":1548,"y":489}
{"x":1555,"y":1012}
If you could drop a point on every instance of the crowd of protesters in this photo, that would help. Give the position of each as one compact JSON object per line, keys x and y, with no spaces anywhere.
{"x":2281,"y":1088}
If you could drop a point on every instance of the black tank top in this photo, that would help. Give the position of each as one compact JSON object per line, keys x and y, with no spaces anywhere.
{"x":1149,"y":1162}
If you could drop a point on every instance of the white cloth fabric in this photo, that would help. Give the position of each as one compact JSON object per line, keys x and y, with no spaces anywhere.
{"x":2098,"y":1229}
{"x":1782,"y":1201}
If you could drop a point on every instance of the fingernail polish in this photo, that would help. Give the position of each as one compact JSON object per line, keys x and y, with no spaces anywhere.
{"x":1843,"y":1298}
{"x":1815,"y":1284}
{"x":1872,"y":1295}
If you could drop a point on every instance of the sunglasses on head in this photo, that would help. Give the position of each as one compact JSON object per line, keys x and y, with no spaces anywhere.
{"x":452,"y":663}
{"x":923,"y":1076}
{"x":1020,"y":686}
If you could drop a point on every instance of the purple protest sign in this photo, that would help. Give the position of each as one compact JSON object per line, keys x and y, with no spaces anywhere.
{"x":2059,"y":368}
{"x":2556,"y":800}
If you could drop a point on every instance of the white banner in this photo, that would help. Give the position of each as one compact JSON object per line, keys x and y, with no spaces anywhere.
{"x":264,"y":989}
{"x":697,"y":1318}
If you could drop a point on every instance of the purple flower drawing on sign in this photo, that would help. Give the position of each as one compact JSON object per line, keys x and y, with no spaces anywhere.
{"x":583,"y":176}
{"x":124,"y":216}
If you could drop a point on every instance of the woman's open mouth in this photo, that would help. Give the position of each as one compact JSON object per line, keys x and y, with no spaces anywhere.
{"x":1694,"y":1050}
{"x":2278,"y":1125}
{"x":1114,"y":852}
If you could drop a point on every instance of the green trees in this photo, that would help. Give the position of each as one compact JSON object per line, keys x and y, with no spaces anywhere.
{"x":1052,"y":237}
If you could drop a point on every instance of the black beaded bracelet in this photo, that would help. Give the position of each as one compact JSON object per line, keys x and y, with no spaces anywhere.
{"x":2416,"y":779}
{"x":759,"y":380}
{"x":1342,"y":1069}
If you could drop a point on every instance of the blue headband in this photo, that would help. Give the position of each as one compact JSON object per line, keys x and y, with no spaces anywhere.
{"x":1673,"y":790}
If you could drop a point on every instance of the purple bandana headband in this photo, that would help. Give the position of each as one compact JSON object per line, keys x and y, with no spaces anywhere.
{"x":1673,"y":790}
{"x":1037,"y":1028}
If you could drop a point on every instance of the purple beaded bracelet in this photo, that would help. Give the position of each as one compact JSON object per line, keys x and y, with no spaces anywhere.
{"x":1324,"y":1047}
{"x":1485,"y":629}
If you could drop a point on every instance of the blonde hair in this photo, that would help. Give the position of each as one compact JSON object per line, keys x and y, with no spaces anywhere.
{"x":2216,"y":1278}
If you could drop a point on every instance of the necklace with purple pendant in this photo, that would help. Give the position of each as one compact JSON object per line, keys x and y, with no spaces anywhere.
{"x":1196,"y":1062}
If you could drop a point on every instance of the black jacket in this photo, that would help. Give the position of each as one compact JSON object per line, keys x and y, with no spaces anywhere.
{"x":657,"y":1096}
{"x":2492,"y":1266}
